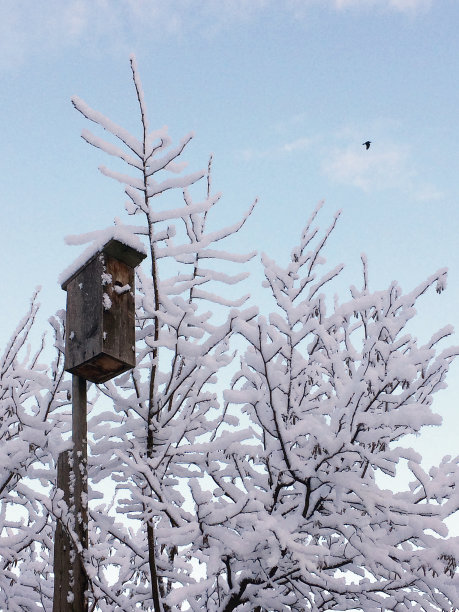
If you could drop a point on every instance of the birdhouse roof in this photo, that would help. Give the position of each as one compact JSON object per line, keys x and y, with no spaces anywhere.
{"x":125,"y":248}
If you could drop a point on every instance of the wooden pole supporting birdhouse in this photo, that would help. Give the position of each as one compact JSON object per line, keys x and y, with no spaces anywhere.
{"x":99,"y":345}
{"x":62,"y":540}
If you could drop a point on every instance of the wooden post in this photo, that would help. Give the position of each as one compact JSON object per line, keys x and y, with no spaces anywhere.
{"x":99,"y":345}
{"x":70,"y":579}
{"x":62,"y":543}
{"x":80,"y":490}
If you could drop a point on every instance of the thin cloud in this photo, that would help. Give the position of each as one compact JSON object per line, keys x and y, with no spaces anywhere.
{"x":401,"y":6}
{"x":295,"y":122}
{"x":300,"y":144}
{"x":389,"y":167}
{"x":428,"y":193}
{"x":49,"y":25}
{"x":406,"y":6}
{"x":368,"y":170}
{"x":284,"y":149}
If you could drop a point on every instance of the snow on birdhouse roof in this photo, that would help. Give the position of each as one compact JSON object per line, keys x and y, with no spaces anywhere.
{"x":118,"y":242}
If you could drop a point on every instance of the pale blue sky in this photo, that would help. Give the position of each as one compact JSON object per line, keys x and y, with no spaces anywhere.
{"x":283,"y":94}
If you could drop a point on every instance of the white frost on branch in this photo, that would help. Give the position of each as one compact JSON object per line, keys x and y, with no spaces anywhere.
{"x":132,"y":143}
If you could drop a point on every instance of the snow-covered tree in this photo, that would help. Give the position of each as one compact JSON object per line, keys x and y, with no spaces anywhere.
{"x":32,"y":424}
{"x":184,"y":323}
{"x":281,"y":506}
{"x":283,"y":496}
{"x":310,"y":515}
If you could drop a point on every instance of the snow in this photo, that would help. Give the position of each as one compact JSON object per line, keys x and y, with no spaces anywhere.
{"x":98,"y":240}
{"x":133,"y":143}
{"x":110,"y":149}
{"x":106,"y":301}
{"x":120,"y":290}
{"x":106,"y":278}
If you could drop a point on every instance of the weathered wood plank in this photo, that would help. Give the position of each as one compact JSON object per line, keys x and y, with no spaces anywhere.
{"x":80,"y":490}
{"x":118,"y":320}
{"x":84,"y":316}
{"x":62,"y":543}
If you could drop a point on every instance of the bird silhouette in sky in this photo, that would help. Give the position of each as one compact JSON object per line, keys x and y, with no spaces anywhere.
{"x":366,"y":144}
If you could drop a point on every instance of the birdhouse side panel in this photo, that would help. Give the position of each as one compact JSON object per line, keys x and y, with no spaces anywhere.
{"x":119,"y":311}
{"x":84,"y":324}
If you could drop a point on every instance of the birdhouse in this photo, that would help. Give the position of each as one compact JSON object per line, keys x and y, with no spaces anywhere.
{"x":100,"y":320}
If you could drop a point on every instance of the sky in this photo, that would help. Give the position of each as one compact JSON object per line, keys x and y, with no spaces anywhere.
{"x":283,"y":94}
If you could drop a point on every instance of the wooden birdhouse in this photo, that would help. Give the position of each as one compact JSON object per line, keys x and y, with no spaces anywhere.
{"x":100,"y":329}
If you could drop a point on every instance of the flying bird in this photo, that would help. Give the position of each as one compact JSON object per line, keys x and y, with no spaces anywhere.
{"x":366,"y":144}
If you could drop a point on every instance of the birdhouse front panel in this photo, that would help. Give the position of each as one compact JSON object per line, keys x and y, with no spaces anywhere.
{"x":100,"y":330}
{"x":119,"y":311}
